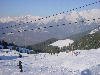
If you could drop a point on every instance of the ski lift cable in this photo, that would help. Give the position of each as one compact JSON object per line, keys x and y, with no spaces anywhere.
{"x":51,"y":26}
{"x":55,"y":14}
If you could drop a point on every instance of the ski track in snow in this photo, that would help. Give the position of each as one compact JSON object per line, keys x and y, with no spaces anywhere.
{"x":87,"y":61}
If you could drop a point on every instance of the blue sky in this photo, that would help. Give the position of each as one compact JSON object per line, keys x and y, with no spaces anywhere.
{"x":41,"y":7}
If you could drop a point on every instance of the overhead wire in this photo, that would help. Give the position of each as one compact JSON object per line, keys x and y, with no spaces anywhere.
{"x":11,"y":26}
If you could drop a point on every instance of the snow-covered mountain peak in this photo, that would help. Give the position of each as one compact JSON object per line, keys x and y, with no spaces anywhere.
{"x":88,"y":14}
{"x":18,"y":18}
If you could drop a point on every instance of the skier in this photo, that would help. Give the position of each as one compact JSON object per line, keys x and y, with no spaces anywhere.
{"x":20,"y":56}
{"x":20,"y":66}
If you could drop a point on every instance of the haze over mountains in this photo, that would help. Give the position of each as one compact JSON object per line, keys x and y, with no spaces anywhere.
{"x":60,"y":26}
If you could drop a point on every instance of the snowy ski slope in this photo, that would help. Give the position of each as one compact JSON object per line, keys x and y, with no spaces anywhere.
{"x":87,"y":62}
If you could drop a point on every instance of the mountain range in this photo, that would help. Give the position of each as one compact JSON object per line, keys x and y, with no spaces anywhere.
{"x":34,"y":29}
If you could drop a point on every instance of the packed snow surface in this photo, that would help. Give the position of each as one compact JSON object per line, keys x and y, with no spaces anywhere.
{"x":62,"y":43}
{"x":87,"y":62}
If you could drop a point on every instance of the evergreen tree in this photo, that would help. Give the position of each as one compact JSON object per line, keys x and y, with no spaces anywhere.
{"x":5,"y":44}
{"x":87,"y":42}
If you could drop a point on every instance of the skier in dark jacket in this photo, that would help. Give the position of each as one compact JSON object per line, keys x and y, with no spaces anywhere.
{"x":20,"y":56}
{"x":20,"y":66}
